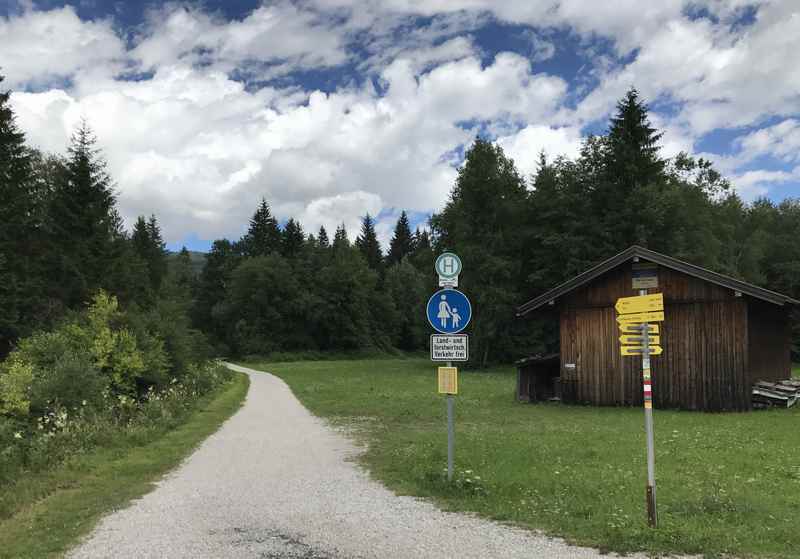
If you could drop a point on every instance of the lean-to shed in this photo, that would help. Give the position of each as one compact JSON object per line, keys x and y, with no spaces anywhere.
{"x":720,"y":336}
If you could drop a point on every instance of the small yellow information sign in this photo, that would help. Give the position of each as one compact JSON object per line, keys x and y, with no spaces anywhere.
{"x":634,"y":328}
{"x":448,"y":380}
{"x":640,"y":304}
{"x":639,"y":350}
{"x":638,"y":339}
{"x":657,"y":316}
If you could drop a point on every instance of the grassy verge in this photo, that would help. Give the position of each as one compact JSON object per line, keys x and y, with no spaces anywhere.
{"x":50,"y":510}
{"x":727,"y":483}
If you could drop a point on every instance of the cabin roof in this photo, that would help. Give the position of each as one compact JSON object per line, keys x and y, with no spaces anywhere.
{"x":662,"y":260}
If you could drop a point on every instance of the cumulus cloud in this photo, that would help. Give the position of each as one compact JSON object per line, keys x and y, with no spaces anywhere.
{"x":525,"y":146}
{"x":752,"y":184}
{"x":192,"y":132}
{"x":781,"y":141}
{"x":38,"y":48}
{"x":271,"y":40}
{"x":201,"y":149}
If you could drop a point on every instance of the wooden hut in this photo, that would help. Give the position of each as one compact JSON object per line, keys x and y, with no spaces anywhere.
{"x":720,"y":336}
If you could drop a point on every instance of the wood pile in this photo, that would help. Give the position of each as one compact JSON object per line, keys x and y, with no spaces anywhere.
{"x":781,"y":394}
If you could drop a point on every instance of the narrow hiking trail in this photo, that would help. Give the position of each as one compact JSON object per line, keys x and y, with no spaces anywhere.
{"x":277,"y":482}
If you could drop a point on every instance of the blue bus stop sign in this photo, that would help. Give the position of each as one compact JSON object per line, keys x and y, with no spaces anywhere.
{"x":449,"y":311}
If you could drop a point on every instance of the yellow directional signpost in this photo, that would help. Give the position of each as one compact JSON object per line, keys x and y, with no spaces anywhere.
{"x":636,"y":328}
{"x":642,"y":303}
{"x":627,"y":350}
{"x":639,"y":338}
{"x":641,"y":317}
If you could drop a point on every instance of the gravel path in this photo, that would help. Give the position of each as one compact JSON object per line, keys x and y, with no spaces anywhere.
{"x":276,"y":482}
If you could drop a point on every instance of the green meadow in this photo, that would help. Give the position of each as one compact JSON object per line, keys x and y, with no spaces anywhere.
{"x":728,"y":484}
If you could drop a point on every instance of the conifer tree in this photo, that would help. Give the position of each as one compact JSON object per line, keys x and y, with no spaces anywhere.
{"x":322,"y":238}
{"x":630,"y":177}
{"x":368,"y":245}
{"x":82,"y":220}
{"x":402,"y":243}
{"x":263,"y":236}
{"x":16,"y":213}
{"x":482,"y":221}
{"x":149,"y":246}
{"x":293,"y":239}
{"x":158,"y":255}
{"x":221,"y":261}
{"x":340,"y":240}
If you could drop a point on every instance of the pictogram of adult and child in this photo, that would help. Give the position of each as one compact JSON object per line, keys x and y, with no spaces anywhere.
{"x":446,"y":312}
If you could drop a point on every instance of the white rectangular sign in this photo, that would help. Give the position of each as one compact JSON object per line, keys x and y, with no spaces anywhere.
{"x":448,"y":282}
{"x":449,"y":347}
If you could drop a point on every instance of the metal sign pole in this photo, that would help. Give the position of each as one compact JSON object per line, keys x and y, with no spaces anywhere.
{"x":450,"y":434}
{"x":652,"y":516}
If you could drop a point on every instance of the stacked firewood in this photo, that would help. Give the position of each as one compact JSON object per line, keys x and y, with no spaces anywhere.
{"x":781,"y":394}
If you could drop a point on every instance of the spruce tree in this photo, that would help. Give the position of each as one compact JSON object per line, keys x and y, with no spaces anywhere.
{"x":157,"y":261}
{"x":340,"y":240}
{"x":17,"y":275}
{"x":322,"y":238}
{"x":263,"y":236}
{"x":482,"y":221}
{"x":293,"y":239}
{"x":82,"y":221}
{"x":633,"y":158}
{"x":402,"y":243}
{"x":630,"y":178}
{"x":368,"y":245}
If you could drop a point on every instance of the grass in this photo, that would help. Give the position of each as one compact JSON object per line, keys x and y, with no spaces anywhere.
{"x":727,"y":483}
{"x":51,"y":510}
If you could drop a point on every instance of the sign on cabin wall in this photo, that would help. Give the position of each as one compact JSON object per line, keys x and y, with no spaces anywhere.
{"x":645,"y":275}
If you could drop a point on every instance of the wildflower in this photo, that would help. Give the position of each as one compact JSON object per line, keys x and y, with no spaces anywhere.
{"x":18,"y":435}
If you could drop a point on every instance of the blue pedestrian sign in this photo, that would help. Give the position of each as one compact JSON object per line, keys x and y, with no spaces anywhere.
{"x":449,"y":311}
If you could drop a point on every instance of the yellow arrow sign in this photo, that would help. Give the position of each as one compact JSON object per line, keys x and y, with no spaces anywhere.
{"x":639,"y":350}
{"x":641,"y":317}
{"x":634,"y":328}
{"x":654,"y":340}
{"x":642,"y":303}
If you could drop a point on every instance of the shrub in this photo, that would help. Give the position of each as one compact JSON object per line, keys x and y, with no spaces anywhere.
{"x":73,"y":382}
{"x":15,"y":382}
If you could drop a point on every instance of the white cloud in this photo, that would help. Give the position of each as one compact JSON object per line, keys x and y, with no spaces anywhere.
{"x":752,"y":184}
{"x":525,"y":146}
{"x":200,"y":150}
{"x":781,"y":141}
{"x":40,"y":47}
{"x":198,"y":147}
{"x":271,"y":40}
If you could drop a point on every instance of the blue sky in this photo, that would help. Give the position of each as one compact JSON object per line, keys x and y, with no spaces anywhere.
{"x":334,"y":108}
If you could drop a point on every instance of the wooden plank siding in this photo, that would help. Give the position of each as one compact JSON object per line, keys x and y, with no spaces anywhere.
{"x":705,"y":336}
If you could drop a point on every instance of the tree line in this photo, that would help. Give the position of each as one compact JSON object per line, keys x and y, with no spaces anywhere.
{"x":277,"y":289}
{"x":62,"y":241}
{"x":281,"y":288}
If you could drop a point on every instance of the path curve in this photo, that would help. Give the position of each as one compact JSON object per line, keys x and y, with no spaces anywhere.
{"x":277,"y":482}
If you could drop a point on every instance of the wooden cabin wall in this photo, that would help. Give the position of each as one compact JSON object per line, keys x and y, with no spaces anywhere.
{"x":770,"y":337}
{"x":705,"y":361}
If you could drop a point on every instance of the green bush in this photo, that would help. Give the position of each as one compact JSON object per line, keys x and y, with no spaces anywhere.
{"x":73,"y":382}
{"x":15,"y":381}
{"x":102,"y":374}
